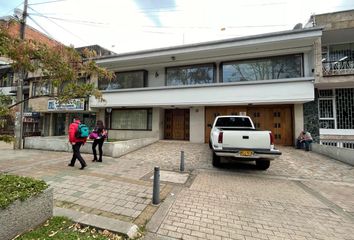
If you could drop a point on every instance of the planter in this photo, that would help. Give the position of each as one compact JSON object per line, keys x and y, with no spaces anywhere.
{"x":21,"y":216}
{"x":111,"y":149}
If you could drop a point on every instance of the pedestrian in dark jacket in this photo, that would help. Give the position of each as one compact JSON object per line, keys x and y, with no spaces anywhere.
{"x":76,"y":144}
{"x":99,"y":135}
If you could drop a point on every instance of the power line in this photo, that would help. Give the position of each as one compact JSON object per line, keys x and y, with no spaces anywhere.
{"x":70,"y":20}
{"x":46,"y":2}
{"x":45,"y":31}
{"x":11,"y":10}
{"x":59,"y":26}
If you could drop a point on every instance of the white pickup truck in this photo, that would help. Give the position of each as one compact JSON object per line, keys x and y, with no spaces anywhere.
{"x":236,"y":136}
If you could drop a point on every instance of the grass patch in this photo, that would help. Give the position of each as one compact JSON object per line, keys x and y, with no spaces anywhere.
{"x":62,"y":228}
{"x":14,"y":188}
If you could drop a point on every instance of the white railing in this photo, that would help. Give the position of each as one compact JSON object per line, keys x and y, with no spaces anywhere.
{"x":337,"y":68}
{"x":338,"y":143}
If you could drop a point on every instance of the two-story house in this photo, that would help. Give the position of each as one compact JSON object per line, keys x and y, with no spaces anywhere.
{"x":175,"y":92}
{"x":335,"y":86}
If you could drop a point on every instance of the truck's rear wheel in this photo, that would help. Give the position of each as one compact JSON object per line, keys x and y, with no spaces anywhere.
{"x":216,"y":160}
{"x":263,"y":164}
{"x":210,"y":145}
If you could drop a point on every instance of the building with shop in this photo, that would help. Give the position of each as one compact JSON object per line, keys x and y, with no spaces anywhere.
{"x":175,"y":92}
{"x":335,"y":85}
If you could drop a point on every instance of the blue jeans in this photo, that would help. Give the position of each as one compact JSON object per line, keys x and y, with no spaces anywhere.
{"x":300,"y":144}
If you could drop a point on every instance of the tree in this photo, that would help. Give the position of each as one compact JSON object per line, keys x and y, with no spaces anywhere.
{"x":61,"y":67}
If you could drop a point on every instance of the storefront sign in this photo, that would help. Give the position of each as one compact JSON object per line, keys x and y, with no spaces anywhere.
{"x":74,"y":105}
{"x":31,"y":114}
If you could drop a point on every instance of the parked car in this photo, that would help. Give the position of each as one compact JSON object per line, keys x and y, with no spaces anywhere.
{"x":236,"y":136}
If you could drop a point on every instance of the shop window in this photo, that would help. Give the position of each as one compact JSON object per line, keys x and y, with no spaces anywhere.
{"x":131,"y":119}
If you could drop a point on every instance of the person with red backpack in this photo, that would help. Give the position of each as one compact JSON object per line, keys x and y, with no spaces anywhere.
{"x":77,"y":133}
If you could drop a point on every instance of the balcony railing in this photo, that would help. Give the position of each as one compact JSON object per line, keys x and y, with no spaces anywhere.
{"x":331,"y":68}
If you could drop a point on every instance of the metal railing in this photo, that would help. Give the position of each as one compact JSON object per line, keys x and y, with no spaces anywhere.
{"x":330,"y":68}
{"x":338,"y":143}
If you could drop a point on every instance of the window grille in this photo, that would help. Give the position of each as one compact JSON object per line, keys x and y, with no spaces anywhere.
{"x":345,"y":108}
{"x":326,"y":93}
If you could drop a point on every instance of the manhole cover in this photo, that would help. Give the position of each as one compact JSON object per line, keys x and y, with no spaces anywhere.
{"x":174,"y":177}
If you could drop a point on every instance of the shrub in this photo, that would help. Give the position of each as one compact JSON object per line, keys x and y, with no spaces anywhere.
{"x":14,"y":188}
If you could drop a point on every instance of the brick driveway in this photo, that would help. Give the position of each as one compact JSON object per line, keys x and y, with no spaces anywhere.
{"x":302,"y":196}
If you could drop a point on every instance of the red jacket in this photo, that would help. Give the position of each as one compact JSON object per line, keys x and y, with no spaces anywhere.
{"x":72,"y":132}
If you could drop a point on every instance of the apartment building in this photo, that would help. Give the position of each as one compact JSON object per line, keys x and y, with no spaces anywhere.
{"x":176,"y":92}
{"x":335,"y":86}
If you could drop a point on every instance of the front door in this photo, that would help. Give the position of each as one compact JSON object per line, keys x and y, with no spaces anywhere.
{"x":177,"y":124}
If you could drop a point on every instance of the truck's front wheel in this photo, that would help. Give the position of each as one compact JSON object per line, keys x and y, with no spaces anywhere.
{"x":263,"y":164}
{"x":216,"y":160}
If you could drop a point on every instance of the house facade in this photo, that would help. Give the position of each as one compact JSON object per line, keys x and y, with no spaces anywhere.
{"x":335,"y":86}
{"x":176,"y":92}
{"x":55,"y":118}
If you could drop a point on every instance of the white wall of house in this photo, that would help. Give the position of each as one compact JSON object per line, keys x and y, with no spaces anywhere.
{"x":197,"y":123}
{"x":156,"y":80}
{"x":298,"y":119}
{"x":258,"y":92}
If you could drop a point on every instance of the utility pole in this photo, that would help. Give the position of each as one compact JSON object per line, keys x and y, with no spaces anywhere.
{"x":19,"y":114}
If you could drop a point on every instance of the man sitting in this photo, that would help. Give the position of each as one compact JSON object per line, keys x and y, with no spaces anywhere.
{"x":304,"y":139}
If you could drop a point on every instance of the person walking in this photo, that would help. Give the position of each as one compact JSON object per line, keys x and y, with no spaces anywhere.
{"x":99,"y":134}
{"x":76,"y":143}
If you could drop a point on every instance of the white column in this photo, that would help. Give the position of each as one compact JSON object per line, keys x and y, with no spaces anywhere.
{"x":298,"y":119}
{"x":197,"y":125}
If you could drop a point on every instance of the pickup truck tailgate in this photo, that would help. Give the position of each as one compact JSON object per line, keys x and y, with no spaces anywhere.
{"x":246,"y":139}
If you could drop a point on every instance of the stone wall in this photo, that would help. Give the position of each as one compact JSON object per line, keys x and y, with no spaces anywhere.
{"x":311,"y":122}
{"x":20,"y":217}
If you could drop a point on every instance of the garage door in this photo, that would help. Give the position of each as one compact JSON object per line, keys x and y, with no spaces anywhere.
{"x":276,"y":118}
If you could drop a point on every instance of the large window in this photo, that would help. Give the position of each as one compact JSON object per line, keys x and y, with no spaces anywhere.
{"x":131,"y":119}
{"x":134,"y":79}
{"x":41,"y":88}
{"x":289,"y":66}
{"x":190,"y":75}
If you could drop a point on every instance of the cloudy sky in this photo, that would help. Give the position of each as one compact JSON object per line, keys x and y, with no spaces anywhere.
{"x":131,"y":25}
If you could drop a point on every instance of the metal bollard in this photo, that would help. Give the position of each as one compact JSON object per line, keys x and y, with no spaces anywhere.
{"x":181,"y":166}
{"x":156,"y":186}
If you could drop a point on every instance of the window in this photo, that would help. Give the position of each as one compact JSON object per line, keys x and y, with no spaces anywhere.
{"x":131,"y":119}
{"x":6,"y":79}
{"x":41,"y":88}
{"x":326,"y":108}
{"x":289,"y":66}
{"x":237,"y":122}
{"x":134,"y":79}
{"x":190,"y":75}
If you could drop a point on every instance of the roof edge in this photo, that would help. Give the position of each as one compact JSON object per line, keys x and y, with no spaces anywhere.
{"x":215,"y":42}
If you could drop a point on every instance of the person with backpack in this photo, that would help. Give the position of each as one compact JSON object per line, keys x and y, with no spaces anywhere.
{"x":78,"y":134}
{"x":99,"y":134}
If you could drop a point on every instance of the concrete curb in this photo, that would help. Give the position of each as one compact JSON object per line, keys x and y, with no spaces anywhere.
{"x":157,"y":219}
{"x":22,"y":216}
{"x":113,"y":225}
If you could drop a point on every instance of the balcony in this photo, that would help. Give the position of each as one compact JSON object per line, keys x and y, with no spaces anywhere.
{"x":337,"y":68}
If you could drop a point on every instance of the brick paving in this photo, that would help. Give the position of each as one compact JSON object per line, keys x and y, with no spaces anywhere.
{"x":303,"y":195}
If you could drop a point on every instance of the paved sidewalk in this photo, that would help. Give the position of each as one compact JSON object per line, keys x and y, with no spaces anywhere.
{"x":303,"y":195}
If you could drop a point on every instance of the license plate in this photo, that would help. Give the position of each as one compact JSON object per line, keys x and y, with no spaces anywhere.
{"x":246,"y":153}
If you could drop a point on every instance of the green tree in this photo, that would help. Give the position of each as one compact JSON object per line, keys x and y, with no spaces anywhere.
{"x":62,"y":67}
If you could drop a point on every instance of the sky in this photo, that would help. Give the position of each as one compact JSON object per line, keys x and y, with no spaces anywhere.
{"x":133,"y":25}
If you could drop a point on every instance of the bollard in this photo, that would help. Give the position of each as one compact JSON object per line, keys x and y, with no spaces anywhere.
{"x":181,"y":166}
{"x":156,"y":186}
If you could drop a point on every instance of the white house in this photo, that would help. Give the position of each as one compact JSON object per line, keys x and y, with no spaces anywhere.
{"x":175,"y":92}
